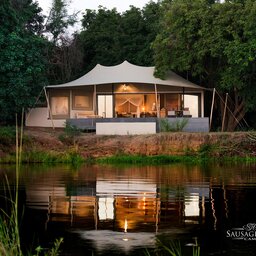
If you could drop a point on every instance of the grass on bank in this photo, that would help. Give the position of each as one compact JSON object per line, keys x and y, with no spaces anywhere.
{"x":140,"y":159}
{"x":74,"y":158}
{"x":50,"y":157}
{"x":166,"y":159}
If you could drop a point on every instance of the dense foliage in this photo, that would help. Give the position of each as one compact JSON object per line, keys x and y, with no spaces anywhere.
{"x":215,"y":43}
{"x":210,"y":42}
{"x":22,"y":58}
{"x":109,"y":37}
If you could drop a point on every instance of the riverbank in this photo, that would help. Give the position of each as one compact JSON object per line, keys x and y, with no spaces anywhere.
{"x":44,"y":145}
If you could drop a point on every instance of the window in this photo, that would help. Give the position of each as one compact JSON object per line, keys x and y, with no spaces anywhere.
{"x":59,"y":102}
{"x":82,"y":100}
{"x":59,"y":106}
{"x":105,"y":105}
{"x":191,"y":103}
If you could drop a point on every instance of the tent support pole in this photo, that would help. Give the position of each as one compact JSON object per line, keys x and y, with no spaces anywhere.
{"x":113,"y":101}
{"x":70,"y":102}
{"x":157,"y":107}
{"x":37,"y":99}
{"x":49,"y":108}
{"x":202,"y":104}
{"x":213,"y":98}
{"x":183,"y":99}
{"x":224,"y":114}
{"x":95,"y":99}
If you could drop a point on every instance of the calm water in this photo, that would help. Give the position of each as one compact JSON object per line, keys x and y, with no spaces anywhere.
{"x":105,"y":210}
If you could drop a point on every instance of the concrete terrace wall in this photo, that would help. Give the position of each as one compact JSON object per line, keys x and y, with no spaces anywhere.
{"x":117,"y":128}
{"x":193,"y":125}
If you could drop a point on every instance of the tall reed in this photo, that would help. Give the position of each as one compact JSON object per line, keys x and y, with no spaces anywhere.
{"x":9,"y":224}
{"x":173,"y":249}
{"x":10,"y":243}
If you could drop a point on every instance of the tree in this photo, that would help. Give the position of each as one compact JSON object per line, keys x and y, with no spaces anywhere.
{"x":151,"y":16}
{"x":139,"y":29}
{"x":22,"y":58}
{"x":59,"y":20}
{"x":109,"y":37}
{"x":133,"y":35}
{"x":215,"y":44}
{"x":100,"y":37}
{"x":64,"y":53}
{"x":65,"y":60}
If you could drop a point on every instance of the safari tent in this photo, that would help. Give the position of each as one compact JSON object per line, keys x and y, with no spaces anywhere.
{"x":121,"y":94}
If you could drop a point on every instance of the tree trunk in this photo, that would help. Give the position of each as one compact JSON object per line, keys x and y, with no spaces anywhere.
{"x":238,"y":112}
{"x":235,"y":111}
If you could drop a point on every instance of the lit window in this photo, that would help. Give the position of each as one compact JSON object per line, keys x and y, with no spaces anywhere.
{"x":60,"y":106}
{"x":82,"y":102}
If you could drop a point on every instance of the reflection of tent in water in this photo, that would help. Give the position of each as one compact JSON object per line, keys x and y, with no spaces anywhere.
{"x":137,"y":188}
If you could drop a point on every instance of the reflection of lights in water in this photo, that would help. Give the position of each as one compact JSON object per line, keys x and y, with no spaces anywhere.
{"x":144,"y":203}
{"x":125,"y":225}
{"x":213,"y":210}
{"x":125,"y":239}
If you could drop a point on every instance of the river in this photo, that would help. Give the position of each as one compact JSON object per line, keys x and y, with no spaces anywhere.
{"x":126,"y":210}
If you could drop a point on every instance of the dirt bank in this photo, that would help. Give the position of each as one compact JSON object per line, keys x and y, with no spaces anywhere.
{"x":91,"y":145}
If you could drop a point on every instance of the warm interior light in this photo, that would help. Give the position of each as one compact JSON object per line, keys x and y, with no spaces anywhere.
{"x":125,"y":225}
{"x":125,"y":87}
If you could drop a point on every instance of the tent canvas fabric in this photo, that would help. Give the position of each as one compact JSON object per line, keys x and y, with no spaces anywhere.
{"x":127,"y":73}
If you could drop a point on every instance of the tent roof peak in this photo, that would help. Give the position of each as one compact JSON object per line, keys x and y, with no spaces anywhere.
{"x":127,"y":72}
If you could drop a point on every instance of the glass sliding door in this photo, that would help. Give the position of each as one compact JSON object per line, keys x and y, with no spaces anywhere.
{"x":105,"y":105}
{"x":191,"y":105}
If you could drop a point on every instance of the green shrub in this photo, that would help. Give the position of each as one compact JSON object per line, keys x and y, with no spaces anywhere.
{"x":205,"y":150}
{"x":7,"y":135}
{"x":70,"y":134}
{"x":64,"y":138}
{"x":71,"y":130}
{"x":165,"y":125}
{"x":177,"y":126}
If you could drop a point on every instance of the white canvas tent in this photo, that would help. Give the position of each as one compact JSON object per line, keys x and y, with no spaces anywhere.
{"x":127,"y":73}
{"x":105,"y":88}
